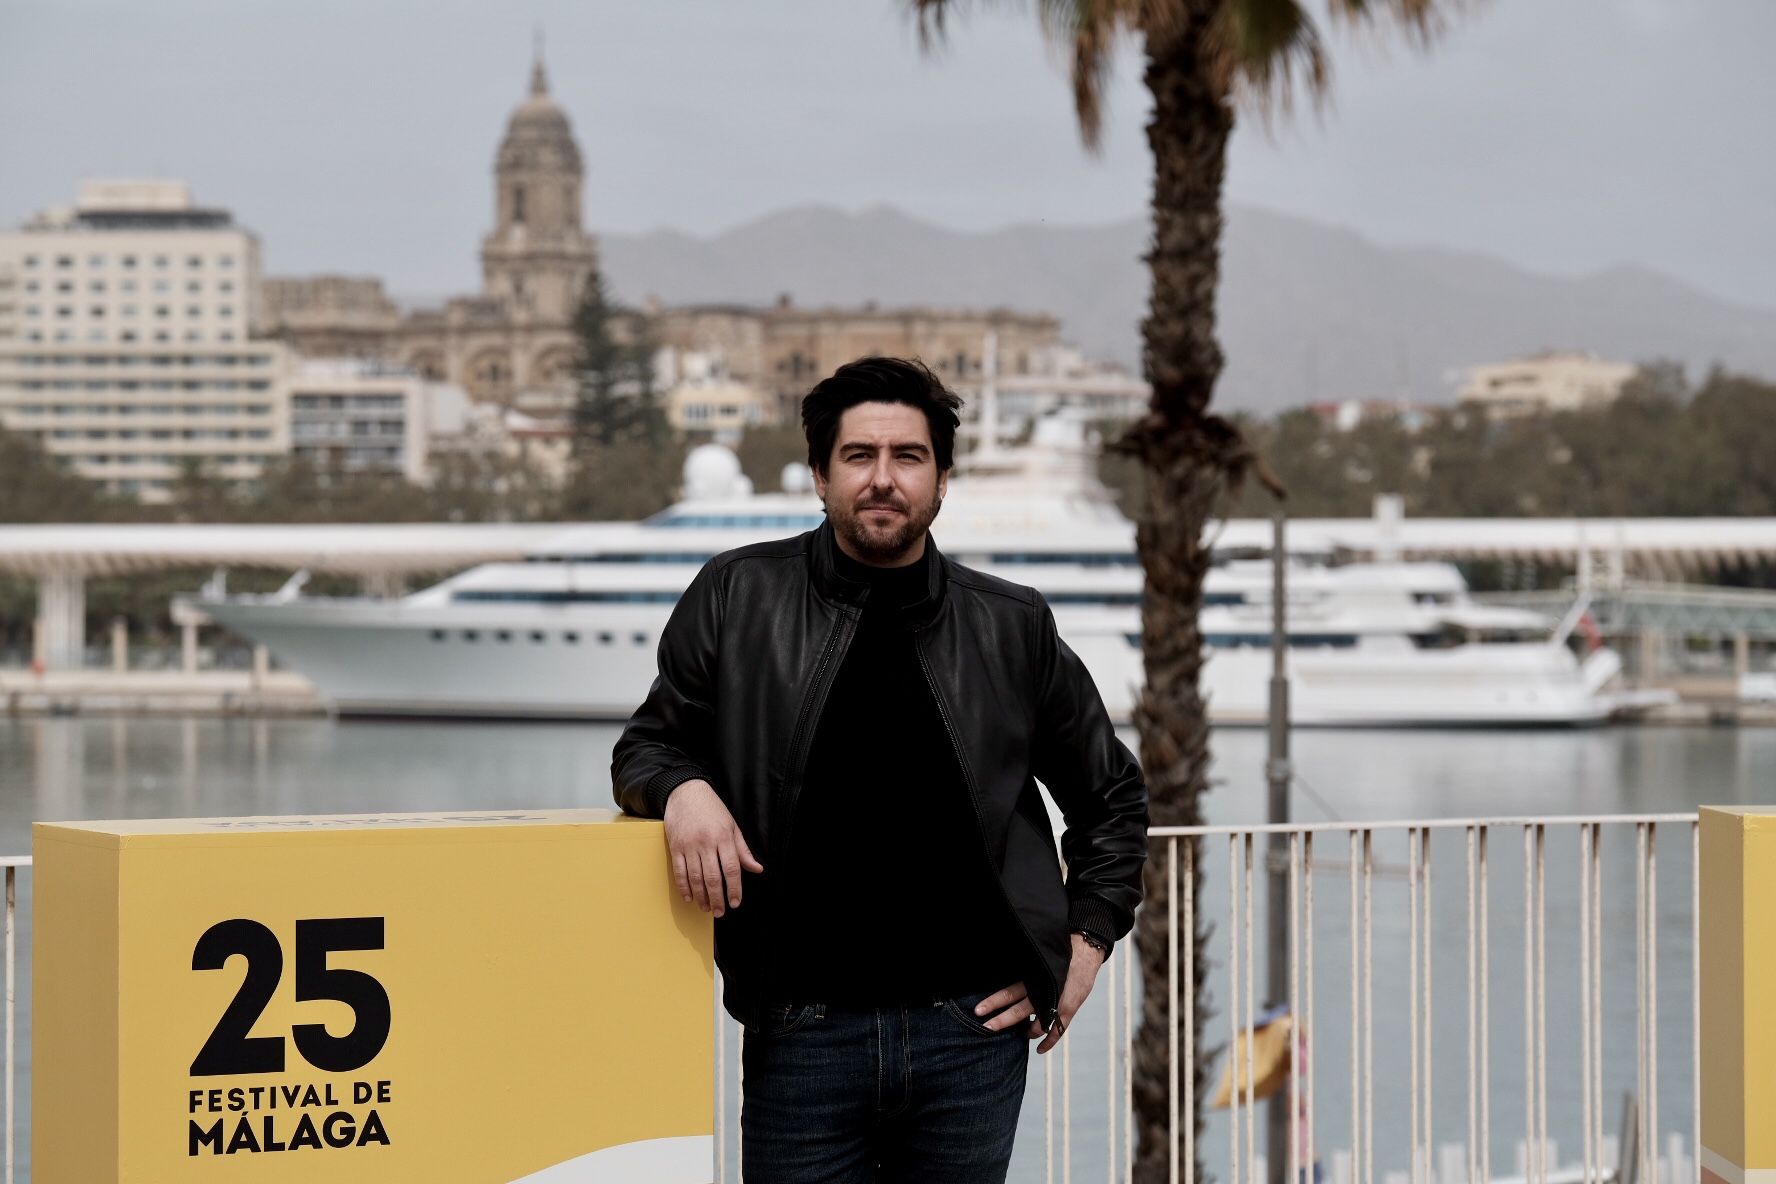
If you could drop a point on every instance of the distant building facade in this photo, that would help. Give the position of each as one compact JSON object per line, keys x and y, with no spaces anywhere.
{"x":127,"y":340}
{"x":354,"y":415}
{"x":517,"y":333}
{"x":1545,"y":384}
{"x":784,"y":349}
{"x":513,"y":342}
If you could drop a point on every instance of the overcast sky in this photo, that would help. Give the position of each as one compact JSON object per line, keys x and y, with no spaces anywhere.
{"x":358,"y":135}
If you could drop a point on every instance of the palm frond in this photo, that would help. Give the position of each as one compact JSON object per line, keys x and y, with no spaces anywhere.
{"x":931,"y":17}
{"x":1265,"y":48}
{"x":1420,"y":20}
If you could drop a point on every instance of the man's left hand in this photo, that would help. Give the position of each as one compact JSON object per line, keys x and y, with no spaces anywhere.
{"x":1082,"y":972}
{"x":1004,"y":1008}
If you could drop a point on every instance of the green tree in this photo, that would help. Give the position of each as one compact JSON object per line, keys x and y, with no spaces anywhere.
{"x":1201,"y":58}
{"x":626,"y":459}
{"x":198,"y":494}
{"x":490,"y":487}
{"x":617,"y":482}
{"x":614,"y":398}
{"x":36,"y":487}
{"x":764,"y":451}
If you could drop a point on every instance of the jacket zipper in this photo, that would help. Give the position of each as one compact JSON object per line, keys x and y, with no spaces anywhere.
{"x":838,"y":640}
{"x":980,"y":827}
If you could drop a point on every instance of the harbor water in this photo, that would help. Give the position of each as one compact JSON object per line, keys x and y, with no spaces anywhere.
{"x":88,"y":768}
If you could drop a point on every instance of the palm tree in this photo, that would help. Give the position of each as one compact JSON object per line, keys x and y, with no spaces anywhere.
{"x":1204,"y":58}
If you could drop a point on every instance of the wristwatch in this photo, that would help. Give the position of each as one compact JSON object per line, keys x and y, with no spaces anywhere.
{"x":1095,"y":942}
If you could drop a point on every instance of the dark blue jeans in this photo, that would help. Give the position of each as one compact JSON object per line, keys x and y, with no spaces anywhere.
{"x":921,"y":1094}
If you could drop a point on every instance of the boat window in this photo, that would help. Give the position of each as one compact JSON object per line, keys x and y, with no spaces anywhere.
{"x":536,"y":635}
{"x":698,"y":557}
{"x":606,"y":638}
{"x":438,"y":635}
{"x":503,"y":635}
{"x":639,"y":638}
{"x":789,"y":521}
{"x":471,"y":635}
{"x":1081,"y":558}
{"x":563,"y":596}
{"x":1297,"y":641}
{"x":1093,"y":597}
{"x":1433,"y":598}
{"x":1215,"y":598}
{"x":571,"y":638}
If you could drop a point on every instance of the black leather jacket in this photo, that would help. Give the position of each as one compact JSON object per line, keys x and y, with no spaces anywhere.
{"x":745,"y":665}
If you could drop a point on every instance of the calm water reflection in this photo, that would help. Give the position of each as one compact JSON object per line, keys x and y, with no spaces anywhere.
{"x":143,"y":768}
{"x":140,"y":768}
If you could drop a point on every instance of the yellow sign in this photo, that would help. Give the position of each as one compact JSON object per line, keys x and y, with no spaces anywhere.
{"x":440,"y":997}
{"x":1737,"y":936}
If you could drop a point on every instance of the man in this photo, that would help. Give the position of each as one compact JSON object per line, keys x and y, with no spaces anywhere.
{"x":844,"y":741}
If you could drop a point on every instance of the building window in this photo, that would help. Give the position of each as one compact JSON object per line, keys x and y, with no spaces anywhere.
{"x":194,"y":286}
{"x":194,"y":261}
{"x":129,"y":260}
{"x":518,"y":203}
{"x":30,"y":261}
{"x":160,"y":261}
{"x":95,"y":261}
{"x":226,"y":261}
{"x":96,"y":286}
{"x":64,"y":261}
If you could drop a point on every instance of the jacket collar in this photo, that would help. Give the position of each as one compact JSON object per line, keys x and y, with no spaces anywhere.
{"x":830,"y":582}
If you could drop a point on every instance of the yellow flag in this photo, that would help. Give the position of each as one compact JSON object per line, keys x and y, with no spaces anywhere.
{"x":1268,"y":1065}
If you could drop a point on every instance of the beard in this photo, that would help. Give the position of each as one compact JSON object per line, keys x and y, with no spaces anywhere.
{"x":882,"y":540}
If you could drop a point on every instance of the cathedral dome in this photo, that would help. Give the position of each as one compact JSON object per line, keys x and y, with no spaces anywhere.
{"x":538,"y":134}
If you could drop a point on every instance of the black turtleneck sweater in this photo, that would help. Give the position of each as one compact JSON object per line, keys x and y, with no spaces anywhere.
{"x":888,"y":896}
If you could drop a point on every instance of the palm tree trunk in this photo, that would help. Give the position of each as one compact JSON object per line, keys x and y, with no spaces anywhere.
{"x":1189,"y":458}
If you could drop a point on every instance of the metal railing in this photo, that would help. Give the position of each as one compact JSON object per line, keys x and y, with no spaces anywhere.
{"x":12,"y":864}
{"x":1343,"y":936}
{"x":1447,"y":925}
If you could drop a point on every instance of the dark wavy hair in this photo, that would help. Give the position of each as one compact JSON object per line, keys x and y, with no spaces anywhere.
{"x":880,"y":380}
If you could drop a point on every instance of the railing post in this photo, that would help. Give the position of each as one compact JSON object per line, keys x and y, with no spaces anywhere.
{"x":1736,"y":929}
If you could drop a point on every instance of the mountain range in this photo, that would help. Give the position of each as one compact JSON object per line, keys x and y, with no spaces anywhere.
{"x":1307,"y":312}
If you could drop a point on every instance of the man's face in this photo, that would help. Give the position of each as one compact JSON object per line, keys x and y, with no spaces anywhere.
{"x":881,"y":486}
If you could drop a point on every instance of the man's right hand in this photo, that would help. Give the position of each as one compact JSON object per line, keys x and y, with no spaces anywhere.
{"x":706,"y":847}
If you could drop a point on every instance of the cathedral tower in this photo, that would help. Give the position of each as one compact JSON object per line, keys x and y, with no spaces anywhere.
{"x":537,"y":257}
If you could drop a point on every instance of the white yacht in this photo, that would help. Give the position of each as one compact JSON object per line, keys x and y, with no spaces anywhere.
{"x":571,"y":630}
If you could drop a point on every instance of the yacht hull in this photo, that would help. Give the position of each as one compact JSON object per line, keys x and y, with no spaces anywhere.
{"x":386,"y":658}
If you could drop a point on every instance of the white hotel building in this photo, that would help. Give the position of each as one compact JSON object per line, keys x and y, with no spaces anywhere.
{"x":126,"y":339}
